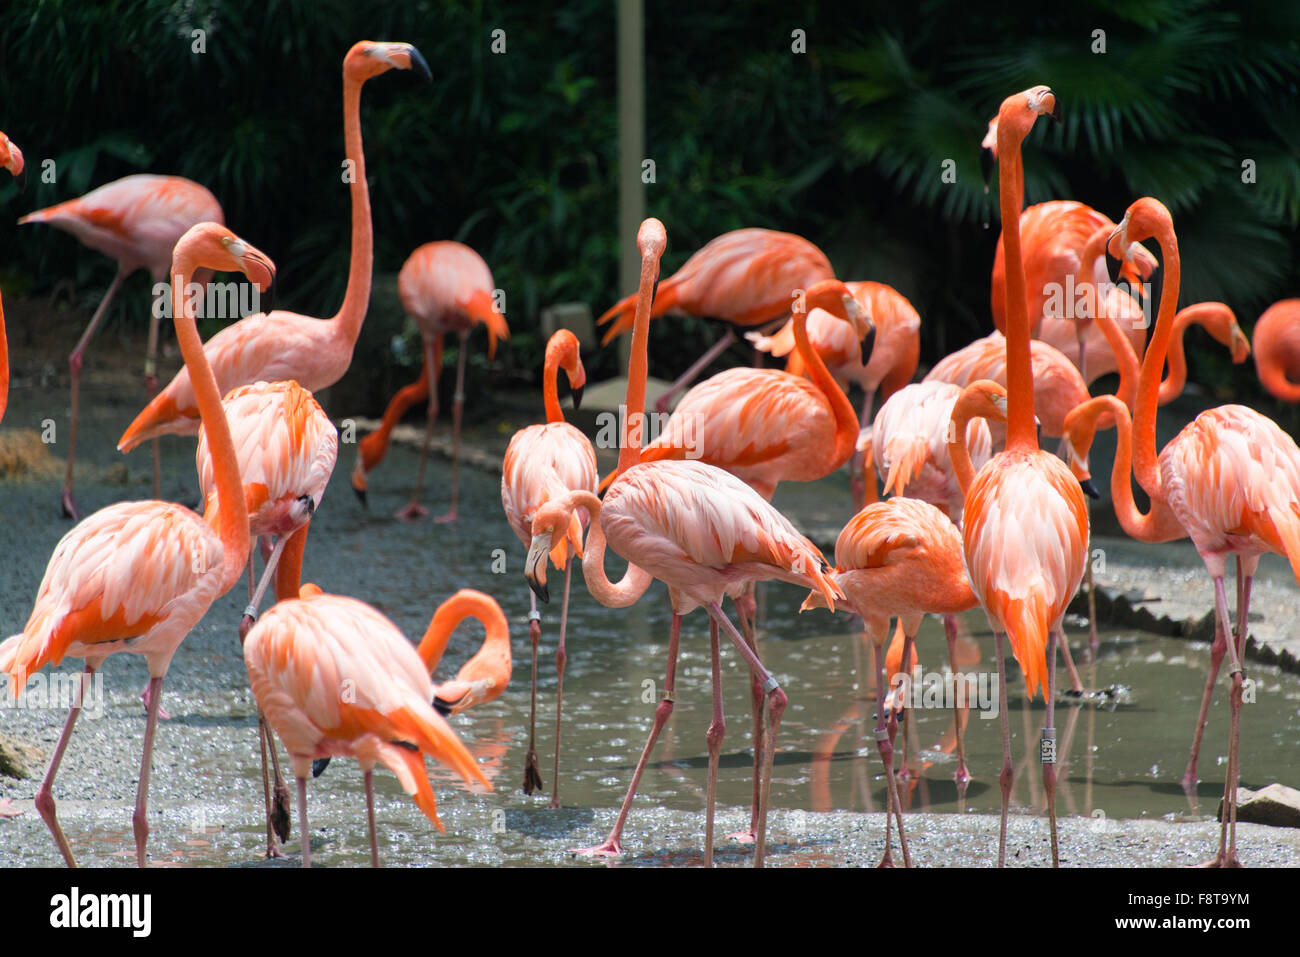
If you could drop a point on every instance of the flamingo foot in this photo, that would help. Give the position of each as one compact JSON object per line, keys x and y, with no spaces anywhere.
{"x":532,"y":773}
{"x":886,"y":861}
{"x":162,"y":712}
{"x":69,"y":505}
{"x":743,"y":837}
{"x":272,"y":851}
{"x":1227,"y":859}
{"x":449,"y":516}
{"x":411,"y":512}
{"x":280,"y":817}
{"x":611,"y":848}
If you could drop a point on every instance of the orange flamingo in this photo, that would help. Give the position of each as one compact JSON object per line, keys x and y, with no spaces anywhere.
{"x":746,"y":277}
{"x":11,"y":159}
{"x":544,"y":462}
{"x":445,"y":287}
{"x":281,"y":345}
{"x":1026,"y":523}
{"x":487,"y":673}
{"x":336,"y":678}
{"x":137,"y":576}
{"x":701,"y":531}
{"x":286,"y":447}
{"x":886,"y":367}
{"x":1230,"y":479}
{"x":1277,"y":349}
{"x":136,"y":222}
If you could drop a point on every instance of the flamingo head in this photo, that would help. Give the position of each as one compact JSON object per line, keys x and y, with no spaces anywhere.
{"x":563,"y":351}
{"x":368,"y":58}
{"x":1146,"y":218}
{"x":214,"y":246}
{"x":1017,"y":114}
{"x":1080,"y":429}
{"x":835,"y":298}
{"x":11,"y":158}
{"x":551,"y":525}
{"x":1221,"y":323}
{"x":359,"y":480}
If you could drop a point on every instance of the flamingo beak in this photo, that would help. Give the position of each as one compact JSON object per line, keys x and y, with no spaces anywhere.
{"x":318,"y":766}
{"x":576,"y":392}
{"x":868,"y":340}
{"x":419,"y":66}
{"x":535,"y":566}
{"x":1089,"y":489}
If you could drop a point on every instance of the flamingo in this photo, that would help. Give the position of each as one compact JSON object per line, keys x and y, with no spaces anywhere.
{"x":1230,"y":480}
{"x":698,"y":529}
{"x":544,"y":462}
{"x":892,"y":357}
{"x":336,"y":678}
{"x":11,"y":159}
{"x":1277,"y":349}
{"x":485,"y":675}
{"x":445,"y":287}
{"x":138,"y":576}
{"x":1025,"y":534}
{"x":746,"y":277}
{"x":135,"y":221}
{"x":283,"y":345}
{"x":286,"y":447}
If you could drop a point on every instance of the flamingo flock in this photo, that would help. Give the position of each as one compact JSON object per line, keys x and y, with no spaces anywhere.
{"x":975,"y":512}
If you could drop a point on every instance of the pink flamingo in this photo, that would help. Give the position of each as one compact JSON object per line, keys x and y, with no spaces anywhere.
{"x":1026,"y":521}
{"x":545,"y":462}
{"x":135,"y":221}
{"x":701,"y":531}
{"x":11,"y":159}
{"x":746,"y":277}
{"x":282,"y":345}
{"x":137,"y":576}
{"x":487,"y":673}
{"x":1277,"y":349}
{"x":445,"y":287}
{"x":337,"y":679}
{"x":1230,"y":480}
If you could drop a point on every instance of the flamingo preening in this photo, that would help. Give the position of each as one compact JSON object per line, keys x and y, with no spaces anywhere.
{"x":701,"y":531}
{"x":138,"y":576}
{"x":135,"y":221}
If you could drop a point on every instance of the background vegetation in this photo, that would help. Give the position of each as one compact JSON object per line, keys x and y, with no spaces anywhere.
{"x":516,"y":154}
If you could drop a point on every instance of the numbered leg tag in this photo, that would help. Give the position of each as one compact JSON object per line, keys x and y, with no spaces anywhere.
{"x":1047,"y":747}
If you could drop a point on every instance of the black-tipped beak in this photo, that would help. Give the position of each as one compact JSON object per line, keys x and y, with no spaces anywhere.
{"x":419,"y":67}
{"x":986,"y":167}
{"x":577,"y":397}
{"x":1089,"y":489}
{"x":318,"y":766}
{"x":1056,"y":109}
{"x":269,"y":297}
{"x":442,"y":707}
{"x":868,"y":344}
{"x":308,"y":503}
{"x":542,"y":592}
{"x":361,"y":496}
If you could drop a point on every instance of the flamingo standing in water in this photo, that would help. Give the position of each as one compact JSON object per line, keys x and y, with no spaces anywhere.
{"x":138,"y":576}
{"x":135,"y":221}
{"x":286,"y":447}
{"x":746,"y":277}
{"x":1277,"y":349}
{"x":886,"y":367}
{"x":1230,"y":480}
{"x":698,"y":529}
{"x":544,"y":462}
{"x":445,"y":287}
{"x":11,"y":159}
{"x":280,"y":345}
{"x":1026,"y":521}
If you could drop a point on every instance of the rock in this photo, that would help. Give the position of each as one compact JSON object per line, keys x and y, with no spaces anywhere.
{"x":1276,"y":805}
{"x":17,"y":757}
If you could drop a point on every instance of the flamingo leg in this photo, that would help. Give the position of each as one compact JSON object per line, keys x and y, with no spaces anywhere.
{"x":613,"y":844}
{"x":886,"y":748}
{"x":857,"y":464}
{"x":457,"y":410}
{"x":370,"y":816}
{"x":272,"y":851}
{"x":560,"y":659}
{"x":140,"y":820}
{"x":45,"y":793}
{"x":1243,"y":630}
{"x":693,"y":373}
{"x":255,"y":599}
{"x":905,"y":772}
{"x":1076,"y":685}
{"x":532,"y":770}
{"x":1006,"y":776}
{"x":151,"y":389}
{"x":713,"y":737}
{"x":413,"y":509}
{"x":1217,"y":651}
{"x":75,"y":361}
{"x":962,"y":775}
{"x":1094,"y":642}
{"x":1047,"y":751}
{"x":746,"y":605}
{"x":302,"y":822}
{"x":776,"y":702}
{"x":1227,"y":856}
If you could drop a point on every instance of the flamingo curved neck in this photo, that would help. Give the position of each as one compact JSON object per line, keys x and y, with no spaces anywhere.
{"x":347,"y":322}
{"x":1021,"y":434}
{"x":958,"y":453}
{"x":638,"y":368}
{"x":1157,"y":525}
{"x":1200,"y":314}
{"x":635,"y":581}
{"x":232,"y":510}
{"x":551,"y":388}
{"x":4,"y":364}
{"x":1145,"y":460}
{"x":846,"y":419}
{"x":448,"y":617}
